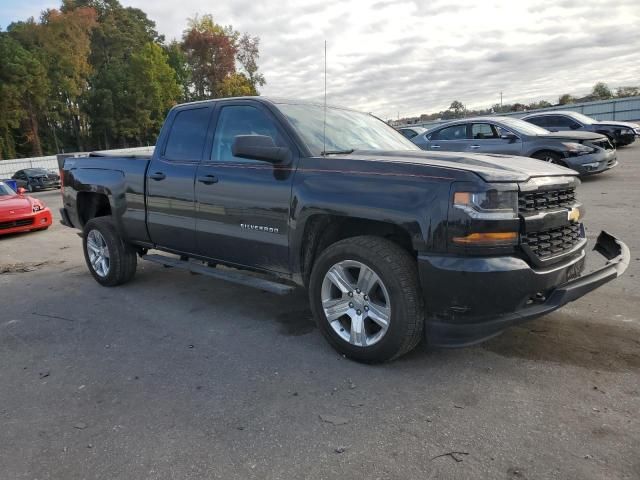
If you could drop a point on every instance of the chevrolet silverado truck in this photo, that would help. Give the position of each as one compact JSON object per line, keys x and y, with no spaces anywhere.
{"x":394,"y":245}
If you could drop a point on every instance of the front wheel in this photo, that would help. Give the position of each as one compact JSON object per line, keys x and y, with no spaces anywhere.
{"x":111,"y":261}
{"x":547,"y":156}
{"x":365,"y":296}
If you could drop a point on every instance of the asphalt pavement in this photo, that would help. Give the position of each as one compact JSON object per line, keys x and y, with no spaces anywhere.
{"x":179,"y":376}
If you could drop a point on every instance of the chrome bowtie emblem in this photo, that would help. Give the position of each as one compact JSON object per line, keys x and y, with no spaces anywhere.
{"x":573,"y":215}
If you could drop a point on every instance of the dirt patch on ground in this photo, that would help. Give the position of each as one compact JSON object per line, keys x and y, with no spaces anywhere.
{"x":24,"y":267}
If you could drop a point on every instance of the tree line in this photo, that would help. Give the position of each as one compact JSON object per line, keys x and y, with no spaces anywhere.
{"x":457,"y":109}
{"x":96,"y":75}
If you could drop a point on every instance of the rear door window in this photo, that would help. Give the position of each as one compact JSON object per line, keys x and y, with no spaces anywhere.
{"x":540,"y":121}
{"x":561,"y":121}
{"x":187,"y":135}
{"x":454,"y":132}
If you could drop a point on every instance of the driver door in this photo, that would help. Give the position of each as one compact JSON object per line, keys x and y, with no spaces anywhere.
{"x":242,"y":205}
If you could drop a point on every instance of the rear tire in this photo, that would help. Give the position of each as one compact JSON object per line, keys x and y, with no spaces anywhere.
{"x":388,"y":273}
{"x":110,"y":260}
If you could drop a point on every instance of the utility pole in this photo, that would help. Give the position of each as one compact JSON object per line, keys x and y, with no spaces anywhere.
{"x":500,"y":99}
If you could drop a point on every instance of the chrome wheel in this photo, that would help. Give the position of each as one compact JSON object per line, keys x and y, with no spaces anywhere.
{"x":356,"y":303}
{"x":98,"y":253}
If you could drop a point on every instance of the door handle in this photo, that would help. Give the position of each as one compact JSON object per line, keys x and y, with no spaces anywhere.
{"x":157,"y":176}
{"x":474,"y":147}
{"x":208,"y":179}
{"x":435,"y":146}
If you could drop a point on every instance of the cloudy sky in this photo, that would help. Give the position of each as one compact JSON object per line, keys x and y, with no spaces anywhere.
{"x":409,"y":57}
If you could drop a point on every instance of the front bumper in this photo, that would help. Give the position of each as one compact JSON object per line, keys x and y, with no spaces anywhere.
{"x":473,"y":299}
{"x":626,"y":138}
{"x":592,"y":163}
{"x":26,"y":223}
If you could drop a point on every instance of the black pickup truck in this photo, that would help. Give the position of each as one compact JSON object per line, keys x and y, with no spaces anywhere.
{"x":394,"y":244}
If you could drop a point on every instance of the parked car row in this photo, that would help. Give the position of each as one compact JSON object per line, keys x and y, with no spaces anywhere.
{"x":585,"y":152}
{"x":567,"y":138}
{"x":619,"y":133}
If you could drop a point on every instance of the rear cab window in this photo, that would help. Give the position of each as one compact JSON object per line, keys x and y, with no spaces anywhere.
{"x":187,"y":135}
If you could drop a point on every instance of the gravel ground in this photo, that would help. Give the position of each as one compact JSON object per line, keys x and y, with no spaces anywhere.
{"x":175,"y":376}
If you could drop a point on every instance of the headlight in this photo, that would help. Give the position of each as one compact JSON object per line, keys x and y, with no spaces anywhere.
{"x":489,"y":205}
{"x":37,"y":208}
{"x":578,"y":148}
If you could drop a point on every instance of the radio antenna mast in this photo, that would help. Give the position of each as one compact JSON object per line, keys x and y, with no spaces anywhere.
{"x":324,"y":122}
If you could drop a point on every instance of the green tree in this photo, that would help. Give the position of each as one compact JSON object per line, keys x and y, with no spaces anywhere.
{"x":247,"y":54}
{"x":152,"y":89}
{"x":628,"y":91}
{"x":23,"y":95}
{"x":237,"y":85}
{"x":601,"y":91}
{"x":565,"y":99}
{"x":178,"y":61}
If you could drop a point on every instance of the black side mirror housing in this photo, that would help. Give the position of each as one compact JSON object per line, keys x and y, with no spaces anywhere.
{"x":259,"y":147}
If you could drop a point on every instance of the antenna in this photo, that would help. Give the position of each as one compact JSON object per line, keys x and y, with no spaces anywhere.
{"x":324,"y":122}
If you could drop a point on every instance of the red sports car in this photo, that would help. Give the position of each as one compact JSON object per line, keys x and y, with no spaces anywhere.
{"x":21,"y":213}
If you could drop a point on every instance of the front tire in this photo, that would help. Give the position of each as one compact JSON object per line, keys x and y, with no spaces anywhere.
{"x":365,"y":297}
{"x":110,"y":260}
{"x":550,"y":157}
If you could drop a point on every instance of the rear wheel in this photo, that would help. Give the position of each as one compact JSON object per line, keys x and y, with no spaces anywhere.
{"x":365,"y":297}
{"x":110,"y":260}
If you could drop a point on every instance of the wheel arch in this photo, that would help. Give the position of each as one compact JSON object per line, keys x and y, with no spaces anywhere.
{"x":322,"y":230}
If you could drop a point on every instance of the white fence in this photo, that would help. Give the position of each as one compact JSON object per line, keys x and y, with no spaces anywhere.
{"x":9,"y":167}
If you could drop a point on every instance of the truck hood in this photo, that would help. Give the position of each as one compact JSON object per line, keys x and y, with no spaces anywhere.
{"x":490,"y":167}
{"x":572,"y":135}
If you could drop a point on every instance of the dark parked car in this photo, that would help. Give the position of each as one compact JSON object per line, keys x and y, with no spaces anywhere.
{"x":33,"y":179}
{"x":395,"y":245}
{"x":410,"y":132}
{"x":620,"y":133}
{"x":584,"y":152}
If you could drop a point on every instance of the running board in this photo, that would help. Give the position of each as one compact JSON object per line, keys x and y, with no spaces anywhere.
{"x":228,"y":275}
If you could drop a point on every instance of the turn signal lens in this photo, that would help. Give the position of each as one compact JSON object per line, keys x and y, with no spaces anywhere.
{"x":488,"y":239}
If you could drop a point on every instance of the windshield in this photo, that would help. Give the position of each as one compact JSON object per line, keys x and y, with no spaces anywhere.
{"x":5,"y":190}
{"x":346,"y":130}
{"x":581,"y":118}
{"x":525,"y":128}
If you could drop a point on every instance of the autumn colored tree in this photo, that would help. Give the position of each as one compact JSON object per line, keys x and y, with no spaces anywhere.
{"x":210,"y":53}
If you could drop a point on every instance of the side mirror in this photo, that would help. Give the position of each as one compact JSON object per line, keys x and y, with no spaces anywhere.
{"x":22,"y":191}
{"x":509,"y":136}
{"x":574,"y":126}
{"x":259,"y":147}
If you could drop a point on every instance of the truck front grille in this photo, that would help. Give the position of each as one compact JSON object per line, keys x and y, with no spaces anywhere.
{"x":550,"y":243}
{"x":546,"y":200}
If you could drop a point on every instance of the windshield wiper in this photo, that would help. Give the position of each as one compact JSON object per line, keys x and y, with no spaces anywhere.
{"x":336,"y":152}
